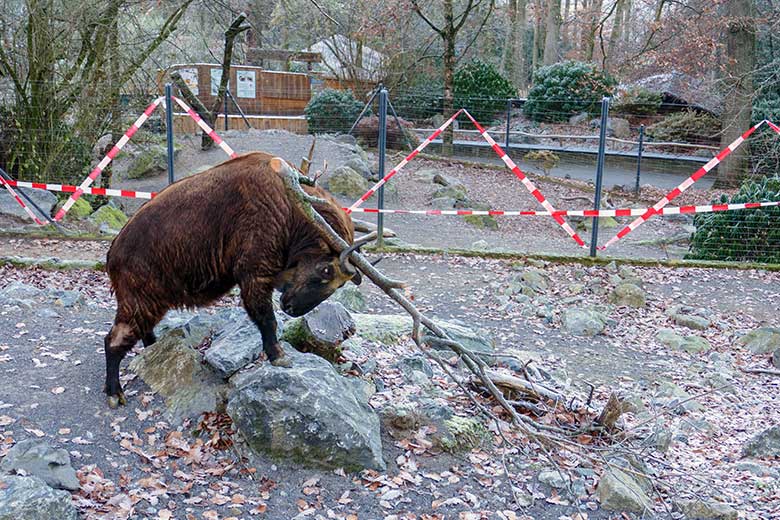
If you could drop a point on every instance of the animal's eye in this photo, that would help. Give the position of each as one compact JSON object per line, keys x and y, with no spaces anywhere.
{"x":327,"y":271}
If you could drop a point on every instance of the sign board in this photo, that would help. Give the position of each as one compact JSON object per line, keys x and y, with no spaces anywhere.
{"x":216,"y":79}
{"x":245,"y":81}
{"x":190,"y":78}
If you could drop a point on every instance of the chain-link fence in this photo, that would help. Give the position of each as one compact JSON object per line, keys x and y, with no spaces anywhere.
{"x":653,"y":146}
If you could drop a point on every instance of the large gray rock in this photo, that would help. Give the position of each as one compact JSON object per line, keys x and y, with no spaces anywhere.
{"x":350,"y":297}
{"x":706,"y":510}
{"x":583,"y":321}
{"x":151,"y":161}
{"x":197,"y":326}
{"x":321,"y":331}
{"x":473,"y":339}
{"x":307,"y":413}
{"x":761,"y":341}
{"x":619,"y":491}
{"x":361,"y":167}
{"x":628,"y":294}
{"x":346,"y":181}
{"x":456,"y":191}
{"x":690,"y":317}
{"x":674,"y":398}
{"x":388,"y":329}
{"x":690,"y":344}
{"x":19,"y":291}
{"x":10,"y":208}
{"x":29,"y":498}
{"x":535,"y":279}
{"x":173,"y":369}
{"x":236,"y":345}
{"x":764,"y":444}
{"x":39,"y":459}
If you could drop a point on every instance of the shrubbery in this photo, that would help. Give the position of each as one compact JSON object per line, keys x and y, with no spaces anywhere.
{"x":686,"y":127}
{"x":741,"y":235}
{"x":332,"y":111}
{"x":638,"y":101}
{"x":564,"y":89}
{"x":765,"y":144}
{"x":419,"y":101}
{"x":482,"y":90}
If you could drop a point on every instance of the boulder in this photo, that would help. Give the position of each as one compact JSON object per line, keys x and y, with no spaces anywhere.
{"x":553,"y":478}
{"x":461,"y":434}
{"x":39,"y":459}
{"x":620,"y":127}
{"x":236,"y":345}
{"x":151,"y":161}
{"x":108,"y":219}
{"x":411,"y":364}
{"x":388,"y":329}
{"x":629,"y":275}
{"x":481,"y":221}
{"x":705,"y":510}
{"x":761,"y":341}
{"x":674,"y":398}
{"x":80,"y":210}
{"x":475,"y":340}
{"x":583,"y":321}
{"x":173,"y":369}
{"x":14,"y":292}
{"x":620,"y":491}
{"x":457,"y":192}
{"x":628,"y":294}
{"x":578,"y":119}
{"x":689,"y":344}
{"x":307,"y":413}
{"x":360,"y":166}
{"x":480,"y":245}
{"x":424,"y":175}
{"x":535,"y":279}
{"x":764,"y":444}
{"x":10,"y":208}
{"x":351,"y":298}
{"x":29,"y":498}
{"x":66,"y":298}
{"x":690,"y":317}
{"x":346,"y":181}
{"x":446,"y":180}
{"x":444,"y":203}
{"x":321,"y":331}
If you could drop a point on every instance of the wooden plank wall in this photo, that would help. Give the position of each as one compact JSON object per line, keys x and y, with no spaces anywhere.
{"x":183,"y":124}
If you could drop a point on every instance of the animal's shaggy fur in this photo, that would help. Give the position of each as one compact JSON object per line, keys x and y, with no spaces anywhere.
{"x":201,"y":236}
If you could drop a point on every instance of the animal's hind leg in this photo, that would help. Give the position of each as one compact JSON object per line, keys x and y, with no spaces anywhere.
{"x":118,"y":343}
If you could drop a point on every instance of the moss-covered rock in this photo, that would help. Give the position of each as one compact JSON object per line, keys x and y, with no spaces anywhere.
{"x":461,"y":434}
{"x":80,"y":210}
{"x":108,"y":219}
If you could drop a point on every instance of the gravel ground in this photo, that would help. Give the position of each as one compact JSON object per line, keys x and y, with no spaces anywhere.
{"x":53,"y":367}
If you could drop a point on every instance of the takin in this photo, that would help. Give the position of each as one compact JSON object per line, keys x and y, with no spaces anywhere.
{"x":201,"y":236}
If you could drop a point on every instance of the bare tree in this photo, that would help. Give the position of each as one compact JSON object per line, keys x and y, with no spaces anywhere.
{"x":552,"y":32}
{"x":448,"y":30}
{"x":515,"y":64}
{"x":738,"y":88}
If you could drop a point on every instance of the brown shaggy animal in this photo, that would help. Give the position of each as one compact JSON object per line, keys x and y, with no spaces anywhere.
{"x":201,"y":236}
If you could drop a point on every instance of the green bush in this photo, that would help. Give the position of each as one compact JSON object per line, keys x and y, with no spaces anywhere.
{"x":481,"y":89}
{"x":563,"y":89}
{"x":688,"y":126}
{"x":741,"y":235}
{"x":332,"y":111}
{"x":638,"y":101}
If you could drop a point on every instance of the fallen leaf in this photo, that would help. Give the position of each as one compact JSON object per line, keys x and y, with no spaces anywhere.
{"x":58,"y":390}
{"x":37,"y":433}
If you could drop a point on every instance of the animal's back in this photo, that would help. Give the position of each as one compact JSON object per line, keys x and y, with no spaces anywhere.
{"x":186,"y":239}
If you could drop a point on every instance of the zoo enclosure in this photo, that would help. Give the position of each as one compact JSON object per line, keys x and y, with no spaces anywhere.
{"x":749,"y":223}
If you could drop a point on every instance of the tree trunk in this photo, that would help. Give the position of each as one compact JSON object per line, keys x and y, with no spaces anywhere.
{"x":589,"y":41}
{"x":552,"y":32}
{"x":566,"y":28}
{"x":521,"y":56}
{"x":626,"y":34}
{"x":508,"y":64}
{"x":449,"y":81}
{"x":617,"y":30}
{"x":738,"y":85}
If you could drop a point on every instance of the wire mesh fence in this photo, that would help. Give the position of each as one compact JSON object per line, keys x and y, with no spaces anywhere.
{"x":654,"y":145}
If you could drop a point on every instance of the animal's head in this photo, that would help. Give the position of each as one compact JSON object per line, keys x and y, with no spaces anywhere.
{"x":314,"y":271}
{"x":308,"y":282}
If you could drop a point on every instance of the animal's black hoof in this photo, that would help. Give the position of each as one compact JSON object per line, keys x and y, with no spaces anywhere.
{"x":282,"y":361}
{"x":114,"y":401}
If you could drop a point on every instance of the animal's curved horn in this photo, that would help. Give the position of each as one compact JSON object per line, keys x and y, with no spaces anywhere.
{"x":346,"y":265}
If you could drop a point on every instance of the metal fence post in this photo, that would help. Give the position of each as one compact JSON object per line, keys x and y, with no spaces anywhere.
{"x":599,"y":172}
{"x":639,"y":156}
{"x":508,"y":118}
{"x":226,"y":112}
{"x":169,"y":128}
{"x":382,"y":145}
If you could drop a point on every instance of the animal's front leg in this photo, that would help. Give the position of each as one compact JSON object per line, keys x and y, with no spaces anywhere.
{"x":256,"y":295}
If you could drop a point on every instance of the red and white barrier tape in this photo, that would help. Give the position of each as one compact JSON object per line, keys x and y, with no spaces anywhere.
{"x":403,"y":163}
{"x":526,"y":181}
{"x":21,"y":202}
{"x":627,"y":212}
{"x":126,"y":137}
{"x":687,"y":183}
{"x":624,"y":212}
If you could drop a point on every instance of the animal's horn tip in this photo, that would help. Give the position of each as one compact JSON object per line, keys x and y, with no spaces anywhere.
{"x":276,"y":164}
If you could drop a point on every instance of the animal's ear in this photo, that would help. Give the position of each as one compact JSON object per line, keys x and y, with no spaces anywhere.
{"x":357,"y":278}
{"x":276,"y":164}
